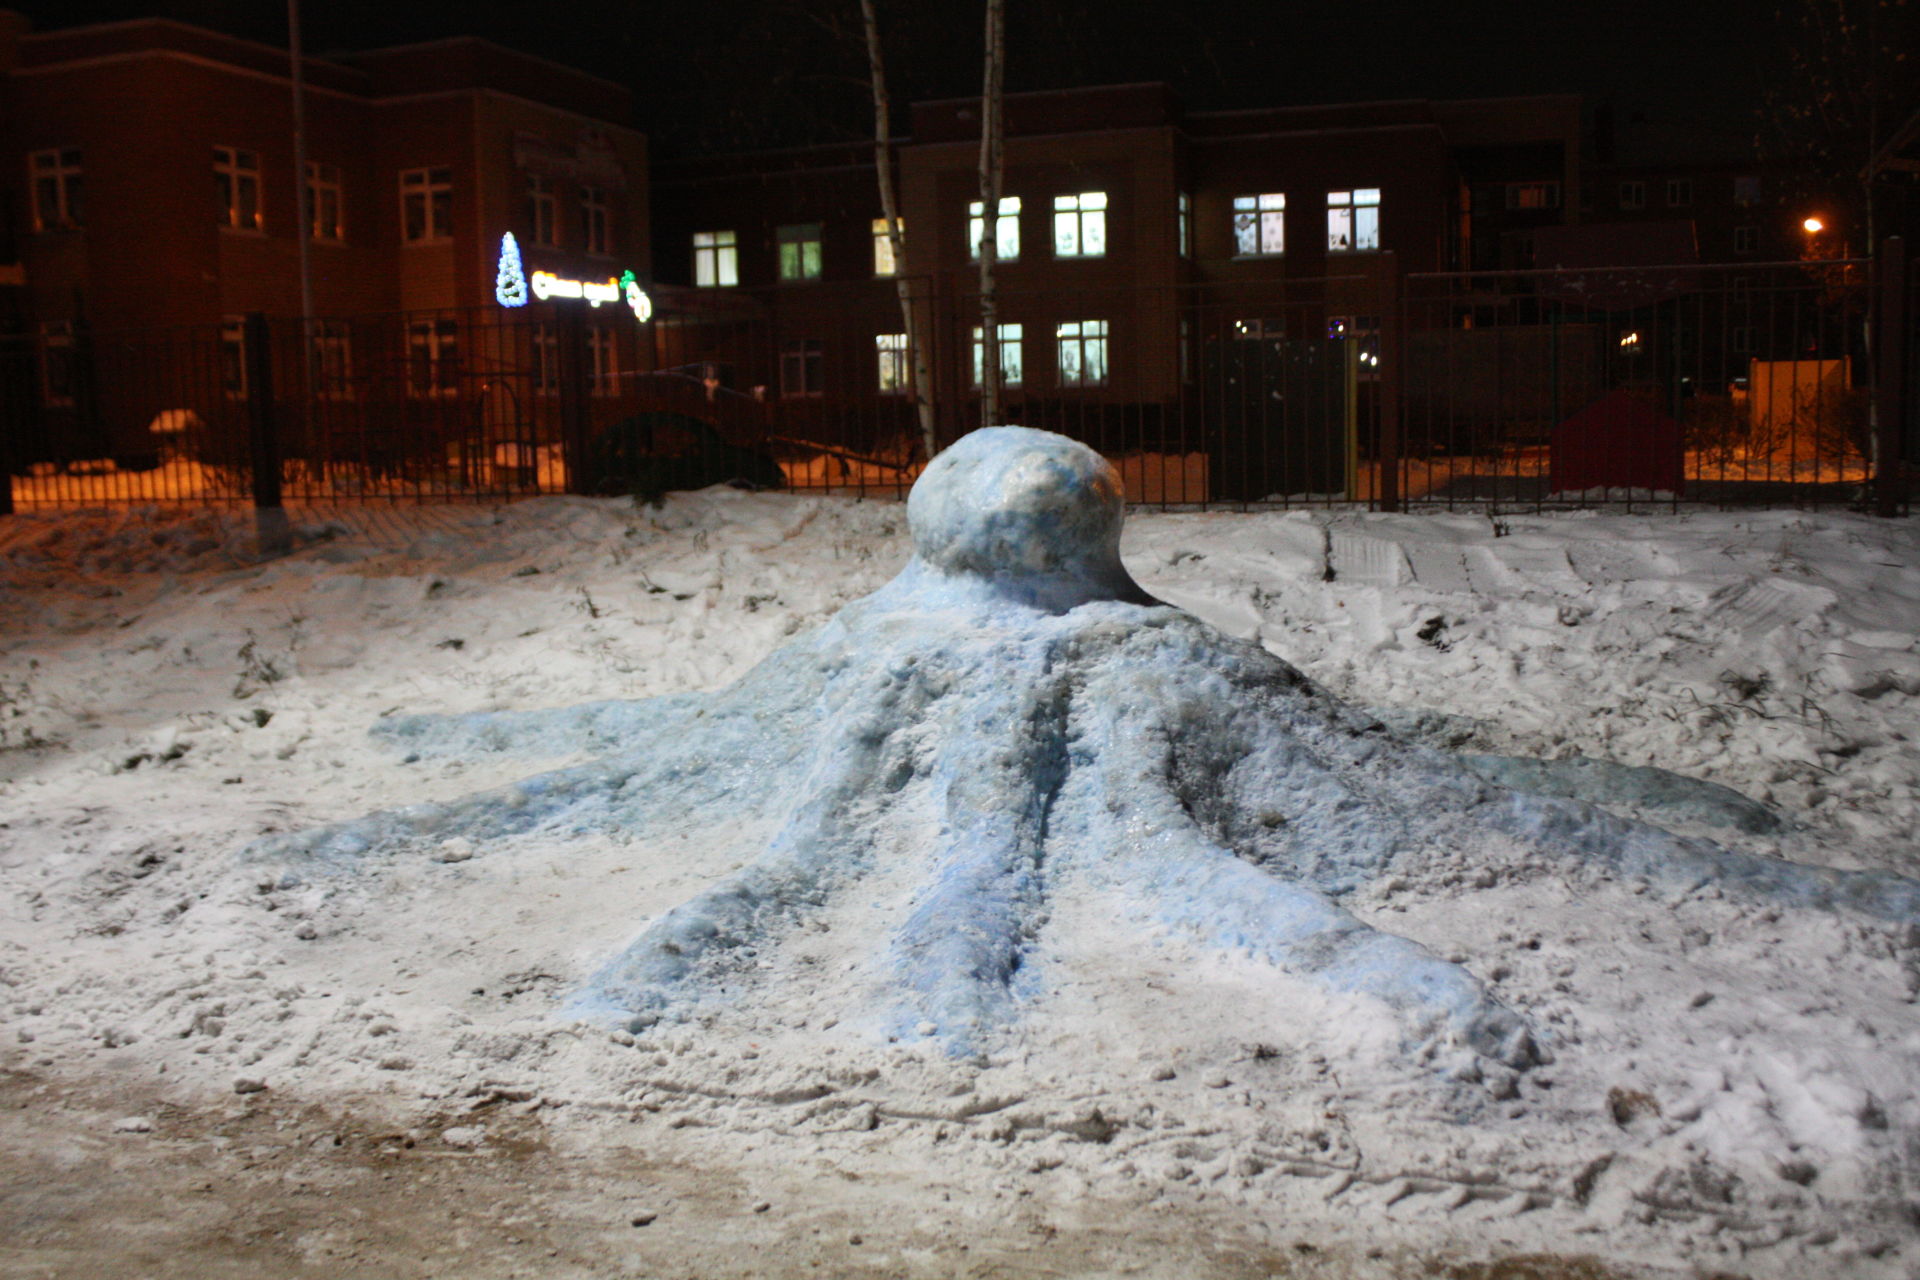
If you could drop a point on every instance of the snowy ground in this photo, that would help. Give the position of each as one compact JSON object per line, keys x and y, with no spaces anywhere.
{"x":1733,"y":1089}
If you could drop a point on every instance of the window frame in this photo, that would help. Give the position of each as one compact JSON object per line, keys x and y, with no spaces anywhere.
{"x":1527,"y":197}
{"x":799,"y":266}
{"x":236,"y":172}
{"x":603,"y":361}
{"x":332,"y":357}
{"x":1260,"y":213}
{"x":891,"y":352}
{"x":545,"y":343}
{"x":1079,"y":221}
{"x":233,"y":357}
{"x":431,"y":188}
{"x":63,"y":177}
{"x":807,"y":356}
{"x":325,"y":188}
{"x":1006,"y":230}
{"x":596,"y":221}
{"x":543,"y":212}
{"x":438,"y":356}
{"x":1631,"y":193}
{"x":885,"y":265}
{"x":716,"y":257}
{"x":1091,"y":345}
{"x":1679,"y":193}
{"x":1012,"y":342}
{"x":1183,"y":214}
{"x":1746,"y":239}
{"x":1357,"y":210}
{"x":58,"y":350}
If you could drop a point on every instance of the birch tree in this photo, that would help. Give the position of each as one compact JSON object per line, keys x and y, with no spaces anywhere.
{"x":992,"y":130}
{"x":890,"y":210}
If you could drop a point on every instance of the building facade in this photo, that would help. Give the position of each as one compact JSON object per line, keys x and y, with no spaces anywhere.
{"x":150,"y":185}
{"x":1140,"y":247}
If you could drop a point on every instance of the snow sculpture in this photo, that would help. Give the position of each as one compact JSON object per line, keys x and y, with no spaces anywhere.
{"x":1013,"y":716}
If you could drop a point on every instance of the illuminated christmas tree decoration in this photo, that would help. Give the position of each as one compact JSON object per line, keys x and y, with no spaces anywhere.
{"x":509,"y":281}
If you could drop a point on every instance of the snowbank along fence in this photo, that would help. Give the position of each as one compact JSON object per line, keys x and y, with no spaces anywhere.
{"x":1762,"y":383}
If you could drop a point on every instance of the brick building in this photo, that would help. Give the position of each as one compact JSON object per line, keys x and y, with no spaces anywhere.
{"x":147,"y":183}
{"x":1140,"y":243}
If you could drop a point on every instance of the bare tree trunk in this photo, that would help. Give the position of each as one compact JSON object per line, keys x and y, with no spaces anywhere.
{"x":890,"y":208}
{"x":991,"y":166}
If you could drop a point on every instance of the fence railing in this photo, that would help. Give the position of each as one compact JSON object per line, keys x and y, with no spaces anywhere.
{"x":1762,"y":383}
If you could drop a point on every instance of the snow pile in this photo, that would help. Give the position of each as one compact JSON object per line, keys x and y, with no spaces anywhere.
{"x":1734,"y":1082}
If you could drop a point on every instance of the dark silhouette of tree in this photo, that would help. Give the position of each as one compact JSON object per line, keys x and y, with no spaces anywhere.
{"x":1847,"y":76}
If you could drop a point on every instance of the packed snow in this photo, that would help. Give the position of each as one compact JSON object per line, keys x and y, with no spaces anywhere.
{"x":1731,"y":1080}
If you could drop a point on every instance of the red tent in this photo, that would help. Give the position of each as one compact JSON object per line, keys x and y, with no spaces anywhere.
{"x":1618,"y":441}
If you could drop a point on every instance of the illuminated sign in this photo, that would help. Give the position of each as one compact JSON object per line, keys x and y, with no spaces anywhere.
{"x":510,"y":288}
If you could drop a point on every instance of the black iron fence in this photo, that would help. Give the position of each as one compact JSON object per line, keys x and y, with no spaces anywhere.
{"x":1785,"y":382}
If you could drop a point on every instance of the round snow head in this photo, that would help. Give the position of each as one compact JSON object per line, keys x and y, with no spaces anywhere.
{"x":1015,"y":501}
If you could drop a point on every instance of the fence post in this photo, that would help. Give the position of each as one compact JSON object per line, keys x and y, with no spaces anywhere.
{"x":573,"y":400}
{"x":269,"y":517}
{"x":1889,"y":380}
{"x":1392,"y":370}
{"x":13,"y":411}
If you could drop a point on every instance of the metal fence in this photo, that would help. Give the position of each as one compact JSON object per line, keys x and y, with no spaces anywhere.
{"x":1766,"y":383}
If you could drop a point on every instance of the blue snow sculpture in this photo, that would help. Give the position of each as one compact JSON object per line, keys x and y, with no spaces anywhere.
{"x":1016,"y":715}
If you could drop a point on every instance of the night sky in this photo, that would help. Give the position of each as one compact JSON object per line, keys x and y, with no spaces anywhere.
{"x":725,"y":74}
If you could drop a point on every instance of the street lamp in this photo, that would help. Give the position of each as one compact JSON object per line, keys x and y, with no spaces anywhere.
{"x":1813,"y":226}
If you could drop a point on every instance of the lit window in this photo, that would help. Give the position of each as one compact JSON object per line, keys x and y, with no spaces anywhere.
{"x":433,"y":357}
{"x":59,"y":375}
{"x":884,"y":262}
{"x":1184,"y":213}
{"x":716,"y":259}
{"x":1082,"y":349}
{"x":801,"y":362}
{"x":1679,"y":192}
{"x":1011,"y":365}
{"x":596,"y":221}
{"x":1080,"y":225}
{"x":799,"y":251}
{"x":1260,"y":224}
{"x":233,"y":357}
{"x":1353,"y":220}
{"x":426,"y":205}
{"x":543,"y":212}
{"x":1633,"y":195}
{"x":891,"y":351}
{"x":1746,"y":239}
{"x":323,"y":202}
{"x":1533,"y":195}
{"x":602,"y":369}
{"x":1006,"y":230}
{"x":546,"y":359}
{"x":332,"y":360}
{"x":56,"y":189}
{"x":237,"y":175}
